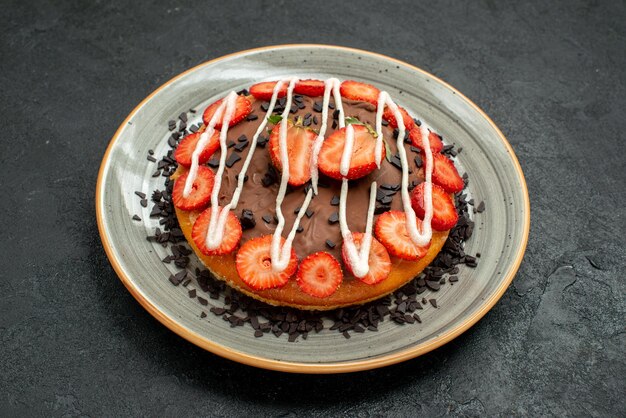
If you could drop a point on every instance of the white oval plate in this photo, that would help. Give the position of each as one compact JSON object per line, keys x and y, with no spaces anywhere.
{"x":496,"y":178}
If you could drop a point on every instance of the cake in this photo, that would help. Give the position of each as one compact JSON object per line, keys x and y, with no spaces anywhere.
{"x":284,"y":187}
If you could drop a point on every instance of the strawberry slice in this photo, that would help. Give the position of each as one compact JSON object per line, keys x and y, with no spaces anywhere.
{"x":254,"y":264}
{"x":379,"y":261}
{"x":299,"y":147}
{"x":187,"y":146}
{"x":390,"y":229}
{"x":311,"y":88}
{"x":363,"y":159}
{"x":363,"y":92}
{"x":445,"y":174}
{"x":444,"y":212}
{"x":319,"y":275}
{"x":264,"y":90}
{"x":200,"y":190}
{"x":433,"y":140}
{"x":232,"y":233}
{"x":242,"y":110}
{"x":390,"y":117}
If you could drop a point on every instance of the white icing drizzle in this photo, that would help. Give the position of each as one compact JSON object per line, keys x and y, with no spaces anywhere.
{"x":423,"y":237}
{"x":281,"y":255}
{"x":358,"y":259}
{"x":317,"y":145}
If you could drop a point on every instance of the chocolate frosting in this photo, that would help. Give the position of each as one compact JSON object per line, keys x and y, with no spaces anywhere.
{"x":261,"y":200}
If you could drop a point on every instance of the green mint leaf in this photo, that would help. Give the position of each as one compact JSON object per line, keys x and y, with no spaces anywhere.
{"x":353,"y":121}
{"x":388,"y":155}
{"x":274,"y":119}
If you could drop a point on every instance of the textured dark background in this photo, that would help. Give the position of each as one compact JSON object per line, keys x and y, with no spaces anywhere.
{"x":551,"y":74}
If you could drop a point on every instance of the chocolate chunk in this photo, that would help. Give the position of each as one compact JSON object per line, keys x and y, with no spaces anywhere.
{"x":265,"y":106}
{"x":144,"y":203}
{"x":252,"y":116}
{"x":433,"y":302}
{"x":261,"y":141}
{"x":396,"y":162}
{"x":151,"y":159}
{"x":136,"y":218}
{"x":381,"y":209}
{"x":309,"y":213}
{"x":299,"y":229}
{"x":418,"y":161}
{"x":334,"y":218}
{"x":242,"y":138}
{"x":481,"y":207}
{"x":330,"y":244}
{"x":267,"y":218}
{"x":334,"y":201}
{"x":241,"y":146}
{"x":232,"y":159}
{"x":247,"y":219}
{"x":386,"y":200}
{"x":141,"y":195}
{"x":214,"y":162}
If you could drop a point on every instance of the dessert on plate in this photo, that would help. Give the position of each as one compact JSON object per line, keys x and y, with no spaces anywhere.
{"x":314,"y":194}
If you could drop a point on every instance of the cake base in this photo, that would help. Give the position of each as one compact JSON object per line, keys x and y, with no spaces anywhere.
{"x":351,"y":292}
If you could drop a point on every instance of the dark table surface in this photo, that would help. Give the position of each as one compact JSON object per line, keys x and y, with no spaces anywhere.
{"x":552,"y":75}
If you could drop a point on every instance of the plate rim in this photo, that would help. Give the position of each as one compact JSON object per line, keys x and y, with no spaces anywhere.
{"x":297,"y":367}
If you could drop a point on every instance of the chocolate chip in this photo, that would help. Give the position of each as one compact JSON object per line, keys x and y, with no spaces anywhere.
{"x":433,"y":302}
{"x":481,"y":207}
{"x":247,"y":219}
{"x":144,"y":203}
{"x":299,"y":229}
{"x":396,"y":162}
{"x":241,"y":146}
{"x":309,"y":213}
{"x":141,"y":195}
{"x":232,"y":159}
{"x":136,"y":218}
{"x":151,"y":159}
{"x":242,"y":138}
{"x":333,"y":218}
{"x":381,"y":209}
{"x":267,"y":218}
{"x":252,"y":116}
{"x":214,"y":162}
{"x":265,"y":106}
{"x":334,"y":201}
{"x":330,"y":244}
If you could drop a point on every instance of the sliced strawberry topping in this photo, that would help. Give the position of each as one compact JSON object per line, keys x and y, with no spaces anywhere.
{"x":299,"y":147}
{"x":242,"y":110}
{"x":311,"y":88}
{"x":363,"y":159}
{"x":445,"y":174}
{"x":200,"y":190}
{"x":379,"y":261}
{"x":232,"y":233}
{"x":254,"y":264}
{"x":390,"y":229}
{"x":444,"y":212}
{"x":433,"y":140}
{"x":364,"y":92}
{"x":319,"y":275}
{"x":264,"y":90}
{"x":187,"y":146}
{"x":390,"y":117}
